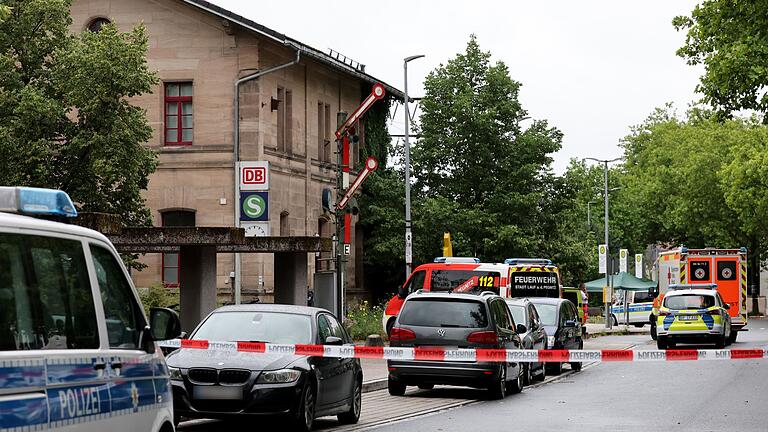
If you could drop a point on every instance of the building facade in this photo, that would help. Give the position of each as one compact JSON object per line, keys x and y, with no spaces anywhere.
{"x":286,"y":117}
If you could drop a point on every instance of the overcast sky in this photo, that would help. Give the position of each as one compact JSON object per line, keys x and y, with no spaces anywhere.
{"x":591,"y":68}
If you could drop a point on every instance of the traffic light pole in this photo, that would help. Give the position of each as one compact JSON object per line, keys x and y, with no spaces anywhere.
{"x":340,"y":214}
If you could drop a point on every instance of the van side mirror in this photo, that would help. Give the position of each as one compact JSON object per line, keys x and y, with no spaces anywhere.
{"x":402,"y":292}
{"x":164,"y":324}
{"x":727,"y":306}
{"x":521,"y":329}
{"x":570,"y":323}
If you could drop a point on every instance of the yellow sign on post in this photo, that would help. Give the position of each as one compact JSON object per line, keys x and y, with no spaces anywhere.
{"x":447,"y":248}
{"x":607,"y":294}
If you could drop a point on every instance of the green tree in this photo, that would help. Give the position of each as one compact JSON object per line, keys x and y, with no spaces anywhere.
{"x":697,"y":182}
{"x":728,"y":37}
{"x":68,"y":123}
{"x":475,"y":156}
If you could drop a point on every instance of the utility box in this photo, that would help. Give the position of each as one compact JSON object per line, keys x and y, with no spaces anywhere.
{"x":325,"y":291}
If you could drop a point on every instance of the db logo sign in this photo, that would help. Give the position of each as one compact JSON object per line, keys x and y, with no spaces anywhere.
{"x":254,"y":176}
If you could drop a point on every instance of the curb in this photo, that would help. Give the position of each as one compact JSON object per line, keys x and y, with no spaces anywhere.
{"x":375,"y":385}
{"x":617,"y":333}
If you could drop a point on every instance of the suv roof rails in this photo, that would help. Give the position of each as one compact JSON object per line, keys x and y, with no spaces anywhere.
{"x":487,"y":293}
{"x":677,"y":287}
{"x":537,"y":261}
{"x":457,"y":260}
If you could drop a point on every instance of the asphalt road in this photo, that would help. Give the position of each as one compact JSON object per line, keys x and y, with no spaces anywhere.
{"x":696,"y":396}
{"x":680,"y":396}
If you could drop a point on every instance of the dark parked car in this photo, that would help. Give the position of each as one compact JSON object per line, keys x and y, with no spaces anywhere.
{"x":220,"y":384}
{"x":455,"y":321}
{"x":561,"y":322}
{"x":532,"y":333}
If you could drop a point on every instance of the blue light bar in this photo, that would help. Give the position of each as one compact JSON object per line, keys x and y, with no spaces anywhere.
{"x":535,"y":261}
{"x":457,"y":260}
{"x":36,"y":202}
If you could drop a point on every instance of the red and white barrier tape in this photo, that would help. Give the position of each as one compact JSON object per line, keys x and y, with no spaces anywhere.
{"x":470,"y":355}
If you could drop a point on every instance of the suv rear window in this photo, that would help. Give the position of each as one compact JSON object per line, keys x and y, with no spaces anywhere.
{"x":689,"y":301}
{"x":444,"y":313}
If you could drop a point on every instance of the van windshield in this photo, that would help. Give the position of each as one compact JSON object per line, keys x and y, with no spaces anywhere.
{"x":444,"y":313}
{"x":463,"y":280}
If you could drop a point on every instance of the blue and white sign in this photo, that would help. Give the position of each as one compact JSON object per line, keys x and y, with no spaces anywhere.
{"x":254,"y":206}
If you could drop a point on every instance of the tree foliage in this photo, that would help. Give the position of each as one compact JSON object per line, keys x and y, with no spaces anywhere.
{"x":480,"y":175}
{"x":728,"y":37}
{"x":68,"y":123}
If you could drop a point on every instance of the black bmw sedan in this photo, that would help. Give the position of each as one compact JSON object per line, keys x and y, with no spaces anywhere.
{"x":220,"y":384}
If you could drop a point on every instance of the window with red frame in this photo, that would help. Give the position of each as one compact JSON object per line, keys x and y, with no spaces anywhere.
{"x":172,"y":261}
{"x":178,"y":113}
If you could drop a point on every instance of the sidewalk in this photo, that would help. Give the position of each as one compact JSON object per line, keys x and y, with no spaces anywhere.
{"x":597,"y":330}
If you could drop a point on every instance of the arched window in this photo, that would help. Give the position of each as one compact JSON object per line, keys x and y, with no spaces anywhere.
{"x":96,"y":24}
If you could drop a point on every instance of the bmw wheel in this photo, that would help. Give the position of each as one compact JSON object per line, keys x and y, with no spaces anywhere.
{"x":653,"y":329}
{"x":353,"y":415}
{"x":305,"y":414}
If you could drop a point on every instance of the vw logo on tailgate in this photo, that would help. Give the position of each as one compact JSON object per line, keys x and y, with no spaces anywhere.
{"x":441,"y":332}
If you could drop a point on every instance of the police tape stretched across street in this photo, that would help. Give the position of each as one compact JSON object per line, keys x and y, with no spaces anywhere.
{"x":463,"y":355}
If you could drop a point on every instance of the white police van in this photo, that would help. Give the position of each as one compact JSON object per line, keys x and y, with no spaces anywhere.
{"x":76,"y":352}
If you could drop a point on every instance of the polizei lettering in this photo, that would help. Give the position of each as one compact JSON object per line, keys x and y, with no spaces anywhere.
{"x":651,"y":355}
{"x":79,"y":402}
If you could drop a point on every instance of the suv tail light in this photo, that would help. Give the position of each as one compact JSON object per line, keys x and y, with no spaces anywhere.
{"x":483,"y":337}
{"x":714,"y":312}
{"x":401,"y":334}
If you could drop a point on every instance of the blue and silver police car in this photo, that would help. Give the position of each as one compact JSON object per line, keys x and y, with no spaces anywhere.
{"x":76,"y":351}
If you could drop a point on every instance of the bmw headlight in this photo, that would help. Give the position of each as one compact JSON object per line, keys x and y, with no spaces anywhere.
{"x":175,"y":373}
{"x":550,"y":342}
{"x":281,"y":376}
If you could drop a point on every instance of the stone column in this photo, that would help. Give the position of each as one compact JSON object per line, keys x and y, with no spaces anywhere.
{"x":291,"y":278}
{"x":197,"y":290}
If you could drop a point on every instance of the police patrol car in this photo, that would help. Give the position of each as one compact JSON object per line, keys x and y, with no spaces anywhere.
{"x":76,"y":352}
{"x":693,"y":313}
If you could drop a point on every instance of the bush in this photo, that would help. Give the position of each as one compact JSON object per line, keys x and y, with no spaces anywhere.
{"x":159,"y":296}
{"x":364,"y":320}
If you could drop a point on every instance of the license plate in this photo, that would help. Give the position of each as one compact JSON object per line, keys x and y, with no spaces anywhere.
{"x":688,"y":317}
{"x":217,"y":392}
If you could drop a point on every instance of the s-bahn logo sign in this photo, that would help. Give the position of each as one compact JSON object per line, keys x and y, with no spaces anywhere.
{"x":254,"y":206}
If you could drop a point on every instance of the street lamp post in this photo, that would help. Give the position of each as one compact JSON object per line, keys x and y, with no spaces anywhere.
{"x":608,"y":323}
{"x":408,"y":234}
